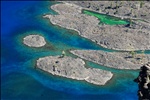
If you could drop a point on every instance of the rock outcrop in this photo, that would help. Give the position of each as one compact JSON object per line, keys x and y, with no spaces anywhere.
{"x":34,"y":41}
{"x":73,"y":68}
{"x":143,"y":81}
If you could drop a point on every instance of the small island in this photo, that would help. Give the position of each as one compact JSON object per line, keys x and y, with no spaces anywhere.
{"x":34,"y":41}
{"x":73,"y":68}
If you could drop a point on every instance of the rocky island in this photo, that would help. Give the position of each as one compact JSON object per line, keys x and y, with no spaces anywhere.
{"x":134,"y":36}
{"x":73,"y":68}
{"x":34,"y":41}
{"x":118,"y":60}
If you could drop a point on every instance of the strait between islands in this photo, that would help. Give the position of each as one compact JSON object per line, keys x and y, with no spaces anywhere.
{"x":67,"y":66}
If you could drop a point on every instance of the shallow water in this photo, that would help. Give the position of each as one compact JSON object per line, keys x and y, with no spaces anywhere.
{"x":20,"y":79}
{"x":106,"y":19}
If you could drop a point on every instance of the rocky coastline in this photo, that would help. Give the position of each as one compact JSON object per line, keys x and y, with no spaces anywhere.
{"x":143,"y":81}
{"x":73,"y":68}
{"x":117,"y":37}
{"x":122,"y":9}
{"x":118,"y":60}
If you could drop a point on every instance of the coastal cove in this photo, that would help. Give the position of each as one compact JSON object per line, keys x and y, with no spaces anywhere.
{"x":20,"y":79}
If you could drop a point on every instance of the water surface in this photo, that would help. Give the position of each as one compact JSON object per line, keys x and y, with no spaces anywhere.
{"x":106,"y":19}
{"x":19,"y":78}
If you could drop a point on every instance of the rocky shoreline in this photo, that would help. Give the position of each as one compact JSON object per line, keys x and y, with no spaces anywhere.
{"x":73,"y":68}
{"x":34,"y":41}
{"x":118,"y":60}
{"x":118,"y":37}
{"x":143,"y":81}
{"x":122,"y":9}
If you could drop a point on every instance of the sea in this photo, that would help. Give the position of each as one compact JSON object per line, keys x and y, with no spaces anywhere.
{"x":21,"y":80}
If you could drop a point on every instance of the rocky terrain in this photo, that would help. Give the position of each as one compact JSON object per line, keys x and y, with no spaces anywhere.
{"x":34,"y":41}
{"x":124,"y":9}
{"x":118,"y":60}
{"x":118,"y":37}
{"x":73,"y":68}
{"x":143,"y":81}
{"x":130,"y":37}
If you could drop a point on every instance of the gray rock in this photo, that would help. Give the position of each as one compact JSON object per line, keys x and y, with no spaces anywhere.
{"x":118,"y":60}
{"x":34,"y":41}
{"x":73,"y":68}
{"x":116,"y":37}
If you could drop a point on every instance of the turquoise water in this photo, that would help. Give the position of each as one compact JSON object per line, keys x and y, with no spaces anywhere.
{"x":106,"y":19}
{"x":19,"y":78}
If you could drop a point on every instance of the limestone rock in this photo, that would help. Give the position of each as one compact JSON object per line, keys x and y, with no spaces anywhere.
{"x":117,"y":37}
{"x":34,"y":41}
{"x":118,"y":60}
{"x":73,"y":68}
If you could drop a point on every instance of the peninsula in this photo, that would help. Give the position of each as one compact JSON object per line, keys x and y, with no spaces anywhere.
{"x":133,"y":36}
{"x":118,"y":60}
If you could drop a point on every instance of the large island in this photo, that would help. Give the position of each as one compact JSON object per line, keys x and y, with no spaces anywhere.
{"x":73,"y":68}
{"x":133,"y":36}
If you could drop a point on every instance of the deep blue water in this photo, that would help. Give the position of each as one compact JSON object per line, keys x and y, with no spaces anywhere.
{"x":21,"y":81}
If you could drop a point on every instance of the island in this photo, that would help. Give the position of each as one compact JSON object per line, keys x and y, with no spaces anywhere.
{"x":73,"y":68}
{"x":127,"y":37}
{"x":34,"y":41}
{"x":118,"y":60}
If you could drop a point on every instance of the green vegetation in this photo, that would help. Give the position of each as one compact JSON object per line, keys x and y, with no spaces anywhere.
{"x":133,"y":53}
{"x":141,"y":4}
{"x":106,"y":19}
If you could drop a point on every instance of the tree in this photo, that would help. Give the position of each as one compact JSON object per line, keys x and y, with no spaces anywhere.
{"x":111,"y":4}
{"x":141,"y":4}
{"x":133,"y":53}
{"x":116,"y":6}
{"x":63,"y":54}
{"x":142,"y":54}
{"x":130,"y":23}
